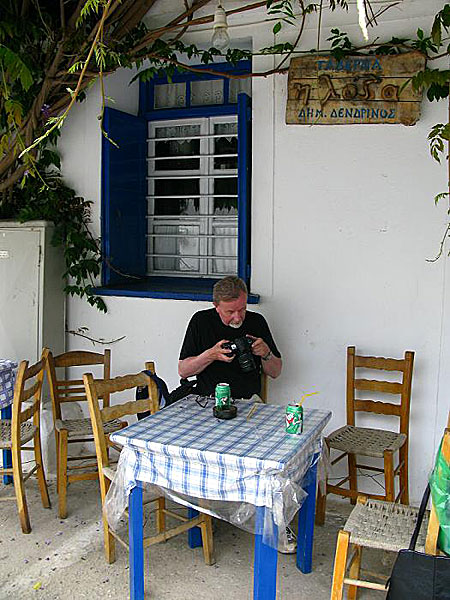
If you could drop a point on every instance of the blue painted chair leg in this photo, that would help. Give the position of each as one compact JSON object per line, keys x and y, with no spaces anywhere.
{"x":265,"y":562}
{"x":306,"y":518}
{"x":6,"y":413}
{"x":195,"y":533}
{"x":136,"y":540}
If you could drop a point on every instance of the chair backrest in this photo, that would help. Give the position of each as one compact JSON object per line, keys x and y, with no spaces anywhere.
{"x":27,"y":397}
{"x":264,"y":387}
{"x":97,"y":388}
{"x":72,"y":390}
{"x":401,"y":388}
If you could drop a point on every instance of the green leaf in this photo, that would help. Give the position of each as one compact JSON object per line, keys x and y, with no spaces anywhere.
{"x":436,"y":32}
{"x":15,"y":110}
{"x":48,"y":158}
{"x":77,"y":66}
{"x":15,"y":67}
{"x":440,"y":196}
{"x":276,"y":27}
{"x":90,"y":7}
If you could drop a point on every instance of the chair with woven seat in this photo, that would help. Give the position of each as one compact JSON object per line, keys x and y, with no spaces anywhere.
{"x":73,"y":467}
{"x":381,"y":525}
{"x":106,"y":468}
{"x":354,"y":441}
{"x":21,"y":430}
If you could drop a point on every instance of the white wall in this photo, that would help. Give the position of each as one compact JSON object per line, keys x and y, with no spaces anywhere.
{"x":343,"y":222}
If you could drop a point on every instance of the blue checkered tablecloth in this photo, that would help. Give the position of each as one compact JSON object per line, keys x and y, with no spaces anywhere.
{"x":7,"y":380}
{"x":184,"y":448}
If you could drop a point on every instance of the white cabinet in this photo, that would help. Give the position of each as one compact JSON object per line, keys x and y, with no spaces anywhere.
{"x":31,"y":291}
{"x":32,"y":306}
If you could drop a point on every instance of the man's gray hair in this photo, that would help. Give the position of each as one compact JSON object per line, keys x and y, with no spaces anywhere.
{"x":229,"y":288}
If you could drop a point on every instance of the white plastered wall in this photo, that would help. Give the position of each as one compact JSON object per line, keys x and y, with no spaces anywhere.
{"x":343,"y":222}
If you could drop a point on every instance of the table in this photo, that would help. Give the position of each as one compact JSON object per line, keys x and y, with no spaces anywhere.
{"x":185,"y":450}
{"x":7,"y":380}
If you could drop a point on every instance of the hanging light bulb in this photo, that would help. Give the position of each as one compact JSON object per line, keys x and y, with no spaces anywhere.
{"x":220,"y":38}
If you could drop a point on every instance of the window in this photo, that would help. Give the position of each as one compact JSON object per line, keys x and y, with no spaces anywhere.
{"x":193,"y":201}
{"x":175,"y":188}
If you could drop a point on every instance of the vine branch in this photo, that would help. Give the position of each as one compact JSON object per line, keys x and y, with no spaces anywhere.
{"x":92,"y":339}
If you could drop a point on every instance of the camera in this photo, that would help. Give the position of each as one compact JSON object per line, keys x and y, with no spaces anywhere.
{"x":242,"y":348}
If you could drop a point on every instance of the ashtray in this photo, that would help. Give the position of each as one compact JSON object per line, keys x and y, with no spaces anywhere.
{"x":227,"y":412}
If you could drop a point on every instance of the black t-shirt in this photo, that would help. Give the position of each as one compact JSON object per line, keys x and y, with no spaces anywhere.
{"x":205,"y":329}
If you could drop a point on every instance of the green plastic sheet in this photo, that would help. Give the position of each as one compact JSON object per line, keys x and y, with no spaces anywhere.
{"x":440,"y":493}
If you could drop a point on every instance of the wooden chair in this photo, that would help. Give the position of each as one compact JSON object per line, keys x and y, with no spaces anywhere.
{"x":374,"y":443}
{"x":23,"y":429}
{"x":73,"y":467}
{"x":384,"y":526}
{"x":264,"y":394}
{"x":106,"y":470}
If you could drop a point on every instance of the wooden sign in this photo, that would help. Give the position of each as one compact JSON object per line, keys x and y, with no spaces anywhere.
{"x":356,"y":89}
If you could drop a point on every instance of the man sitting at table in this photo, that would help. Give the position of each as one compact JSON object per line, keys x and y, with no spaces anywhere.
{"x":203,"y":354}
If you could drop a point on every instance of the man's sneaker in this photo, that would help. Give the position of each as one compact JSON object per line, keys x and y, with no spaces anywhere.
{"x":289,"y":545}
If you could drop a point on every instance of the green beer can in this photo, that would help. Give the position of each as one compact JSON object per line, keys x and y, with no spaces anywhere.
{"x":294,"y":418}
{"x":223,"y":395}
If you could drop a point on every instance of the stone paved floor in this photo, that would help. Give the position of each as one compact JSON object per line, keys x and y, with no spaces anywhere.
{"x":63,"y":559}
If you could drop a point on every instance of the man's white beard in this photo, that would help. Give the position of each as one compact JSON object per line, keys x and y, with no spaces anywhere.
{"x":235,"y":325}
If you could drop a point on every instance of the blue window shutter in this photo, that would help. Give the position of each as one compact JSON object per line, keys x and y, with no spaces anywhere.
{"x":124,"y":189}
{"x":244,"y":178}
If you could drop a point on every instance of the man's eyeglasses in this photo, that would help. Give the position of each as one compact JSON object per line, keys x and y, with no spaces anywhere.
{"x":203,"y":404}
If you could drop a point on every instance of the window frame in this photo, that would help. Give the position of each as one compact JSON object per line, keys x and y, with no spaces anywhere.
{"x":195,"y":288}
{"x":147,"y":90}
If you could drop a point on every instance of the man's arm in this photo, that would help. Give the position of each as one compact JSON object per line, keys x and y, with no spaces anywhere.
{"x":272,"y":366}
{"x":193,"y":365}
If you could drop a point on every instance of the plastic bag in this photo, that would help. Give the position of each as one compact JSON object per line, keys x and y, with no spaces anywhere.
{"x":440,"y":492}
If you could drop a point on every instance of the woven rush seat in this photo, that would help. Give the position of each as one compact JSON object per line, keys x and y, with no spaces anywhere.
{"x":27,"y":431}
{"x":365,"y":441}
{"x":385,"y":525}
{"x":83,"y":427}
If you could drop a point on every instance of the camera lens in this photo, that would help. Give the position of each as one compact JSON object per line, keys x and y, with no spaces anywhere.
{"x":247,"y":362}
{"x":244,"y":355}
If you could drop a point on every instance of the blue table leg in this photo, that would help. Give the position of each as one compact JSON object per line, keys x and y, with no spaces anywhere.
{"x":265,"y":562}
{"x":136,"y":540}
{"x":195,"y":533}
{"x":6,"y":413}
{"x":306,"y":517}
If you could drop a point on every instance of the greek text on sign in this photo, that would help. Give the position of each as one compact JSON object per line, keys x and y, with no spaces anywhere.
{"x":356,"y":89}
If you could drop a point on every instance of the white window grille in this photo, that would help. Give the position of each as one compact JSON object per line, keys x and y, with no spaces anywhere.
{"x":192,"y":220}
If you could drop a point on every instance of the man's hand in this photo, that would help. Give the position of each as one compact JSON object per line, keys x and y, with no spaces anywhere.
{"x":271,"y":364}
{"x":193,"y":365}
{"x":259,"y":346}
{"x":219,"y":353}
